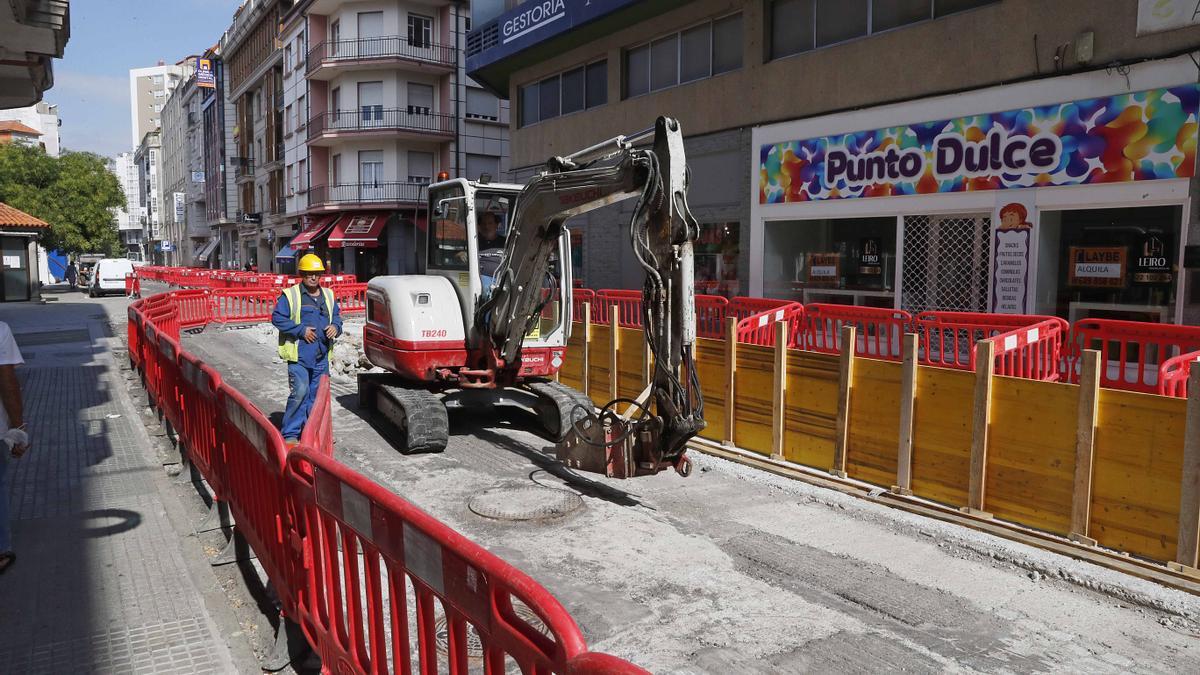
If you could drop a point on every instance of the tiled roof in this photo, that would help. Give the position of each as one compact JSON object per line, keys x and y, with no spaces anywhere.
{"x":14,"y":127}
{"x":10,"y":217}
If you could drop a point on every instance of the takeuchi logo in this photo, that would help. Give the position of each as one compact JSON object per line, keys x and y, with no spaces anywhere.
{"x":536,"y":16}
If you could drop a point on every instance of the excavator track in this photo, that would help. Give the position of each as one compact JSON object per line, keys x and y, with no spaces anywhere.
{"x":560,"y":406}
{"x":417,"y":414}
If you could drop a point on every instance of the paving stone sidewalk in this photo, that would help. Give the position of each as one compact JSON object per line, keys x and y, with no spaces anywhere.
{"x":104,"y":580}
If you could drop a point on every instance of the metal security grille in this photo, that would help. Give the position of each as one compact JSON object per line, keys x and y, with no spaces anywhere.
{"x":947,"y":260}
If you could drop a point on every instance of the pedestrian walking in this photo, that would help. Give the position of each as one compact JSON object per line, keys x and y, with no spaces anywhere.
{"x":13,"y":439}
{"x":72,"y":274}
{"x":308,"y":319}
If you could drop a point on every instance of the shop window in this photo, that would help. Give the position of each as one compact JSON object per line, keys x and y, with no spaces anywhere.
{"x":840,"y":20}
{"x":847,"y":261}
{"x":716,"y":259}
{"x":947,"y":263}
{"x":1108,"y":263}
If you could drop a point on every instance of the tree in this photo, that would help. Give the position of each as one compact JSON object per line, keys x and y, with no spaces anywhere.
{"x":75,"y":193}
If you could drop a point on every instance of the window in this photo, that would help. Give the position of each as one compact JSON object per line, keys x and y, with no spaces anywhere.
{"x":157,"y":80}
{"x":370,"y":101}
{"x":420,"y":30}
{"x":335,"y":169}
{"x":370,"y":167}
{"x":701,"y":51}
{"x":287,"y":120}
{"x":370,"y":25}
{"x":302,"y":175}
{"x":300,"y":51}
{"x":420,"y":98}
{"x":477,"y":165}
{"x":287,"y":56}
{"x":572,"y":85}
{"x":571,"y":91}
{"x":291,"y":178}
{"x":797,"y":26}
{"x":548,"y":98}
{"x":158,"y":107}
{"x":482,"y":105}
{"x":300,"y":115}
{"x":420,"y":166}
{"x":448,"y":230}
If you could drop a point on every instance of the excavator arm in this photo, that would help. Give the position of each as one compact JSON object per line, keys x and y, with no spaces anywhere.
{"x":652,"y":432}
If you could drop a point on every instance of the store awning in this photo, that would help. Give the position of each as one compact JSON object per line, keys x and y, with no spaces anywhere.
{"x":205,"y":252}
{"x":317,"y":230}
{"x":286,"y":254}
{"x":360,"y":230}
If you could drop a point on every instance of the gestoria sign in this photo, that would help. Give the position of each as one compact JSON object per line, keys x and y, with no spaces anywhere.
{"x":1144,"y":135}
{"x":533,"y":17}
{"x":1156,"y":16}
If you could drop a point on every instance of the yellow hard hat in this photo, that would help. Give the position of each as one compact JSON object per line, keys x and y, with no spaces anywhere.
{"x":311,"y":263}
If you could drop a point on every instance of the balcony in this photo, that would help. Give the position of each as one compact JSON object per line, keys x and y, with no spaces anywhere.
{"x":243,"y":168}
{"x":328,"y":58}
{"x":413,"y":122}
{"x":330,"y":197}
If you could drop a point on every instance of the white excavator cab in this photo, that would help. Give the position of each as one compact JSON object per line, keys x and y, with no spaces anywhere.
{"x":466,"y":243}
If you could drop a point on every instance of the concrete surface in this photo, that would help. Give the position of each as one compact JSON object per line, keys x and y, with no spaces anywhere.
{"x":733,"y":570}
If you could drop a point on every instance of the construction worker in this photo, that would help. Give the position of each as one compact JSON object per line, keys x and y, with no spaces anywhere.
{"x":308,"y":319}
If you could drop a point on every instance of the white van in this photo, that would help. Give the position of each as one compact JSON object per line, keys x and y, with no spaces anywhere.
{"x":109,"y":276}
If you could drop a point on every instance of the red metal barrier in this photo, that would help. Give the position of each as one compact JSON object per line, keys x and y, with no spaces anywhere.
{"x":1032,"y":352}
{"x":578,"y":297}
{"x":743,"y":306}
{"x":629,"y":307}
{"x":759,"y":329}
{"x":880,"y":331}
{"x":236,"y":306}
{"x":711,"y":311}
{"x":202,"y":430}
{"x":1174,"y":373}
{"x":1133,"y":355}
{"x":368,"y":545}
{"x":352,"y":298}
{"x":947,"y":339}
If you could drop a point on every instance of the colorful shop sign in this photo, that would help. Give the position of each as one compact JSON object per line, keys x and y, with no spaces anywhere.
{"x":1145,"y":135}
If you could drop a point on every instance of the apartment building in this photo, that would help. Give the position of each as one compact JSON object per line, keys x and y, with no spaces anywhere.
{"x":375,"y":104}
{"x":186,"y":228}
{"x":129,"y":224}
{"x":43,"y":118}
{"x":220,"y":191}
{"x":878,"y":152}
{"x":149,"y":89}
{"x":148,"y":158}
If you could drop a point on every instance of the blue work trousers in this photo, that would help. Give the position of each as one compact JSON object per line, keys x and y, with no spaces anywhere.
{"x":302,"y":382}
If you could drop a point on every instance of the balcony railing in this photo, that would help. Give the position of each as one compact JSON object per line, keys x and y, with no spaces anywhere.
{"x":366,"y":193}
{"x":243,"y":167}
{"x":371,"y":118}
{"x":392,"y":47}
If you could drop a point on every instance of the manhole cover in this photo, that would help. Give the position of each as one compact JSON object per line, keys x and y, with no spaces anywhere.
{"x":441,"y":631}
{"x":529,"y":502}
{"x":51,"y":337}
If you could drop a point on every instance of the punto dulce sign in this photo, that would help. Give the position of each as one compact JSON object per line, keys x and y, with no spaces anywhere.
{"x":1144,"y":135}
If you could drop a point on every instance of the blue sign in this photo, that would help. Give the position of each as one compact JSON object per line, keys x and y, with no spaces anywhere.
{"x":532,"y":22}
{"x":205,"y":76}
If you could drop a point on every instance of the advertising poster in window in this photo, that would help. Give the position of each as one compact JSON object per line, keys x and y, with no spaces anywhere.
{"x":1012,"y":237}
{"x":824,"y":268}
{"x":205,"y":76}
{"x":1153,"y":263}
{"x":1097,"y":267}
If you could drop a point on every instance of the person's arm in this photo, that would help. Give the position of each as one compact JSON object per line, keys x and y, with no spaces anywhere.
{"x":337,"y":317}
{"x":281,"y":318}
{"x":10,"y":396}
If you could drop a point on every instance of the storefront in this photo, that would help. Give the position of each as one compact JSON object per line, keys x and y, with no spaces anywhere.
{"x":1065,"y":196}
{"x":19,"y":234}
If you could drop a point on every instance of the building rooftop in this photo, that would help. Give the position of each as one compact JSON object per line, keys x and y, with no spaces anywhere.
{"x":11,"y":217}
{"x":15,"y":127}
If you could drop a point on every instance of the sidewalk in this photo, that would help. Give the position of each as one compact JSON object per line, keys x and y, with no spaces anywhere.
{"x":106,"y":579}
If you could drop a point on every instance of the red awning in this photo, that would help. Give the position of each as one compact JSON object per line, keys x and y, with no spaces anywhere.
{"x":359,"y":230}
{"x":311,"y":234}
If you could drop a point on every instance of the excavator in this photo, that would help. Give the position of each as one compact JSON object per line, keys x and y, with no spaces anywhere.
{"x":487,"y":324}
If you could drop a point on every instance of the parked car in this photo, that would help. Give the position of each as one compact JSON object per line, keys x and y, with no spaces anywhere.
{"x":109,"y":276}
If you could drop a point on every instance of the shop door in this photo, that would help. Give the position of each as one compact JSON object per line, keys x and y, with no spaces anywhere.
{"x":16,"y":269}
{"x":946,"y":263}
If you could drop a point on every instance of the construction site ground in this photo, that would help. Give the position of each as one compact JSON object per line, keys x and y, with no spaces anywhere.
{"x":735,"y":570}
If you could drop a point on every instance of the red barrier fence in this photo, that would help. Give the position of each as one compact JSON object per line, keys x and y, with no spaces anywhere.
{"x":629,"y":308}
{"x":1174,"y":372}
{"x":351,"y":297}
{"x":1032,"y":352}
{"x":947,"y":339}
{"x":880,"y":331}
{"x":1136,"y":355}
{"x":759,"y":329}
{"x":307,"y":516}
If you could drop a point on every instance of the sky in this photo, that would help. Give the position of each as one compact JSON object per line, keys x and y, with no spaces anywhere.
{"x":108,"y":38}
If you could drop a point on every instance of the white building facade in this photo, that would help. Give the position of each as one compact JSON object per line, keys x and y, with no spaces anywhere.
{"x":129,"y":223}
{"x":42,"y":116}
{"x":149,"y":89}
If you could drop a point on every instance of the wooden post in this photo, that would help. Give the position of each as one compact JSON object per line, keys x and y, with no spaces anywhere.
{"x":1188,"y":550}
{"x":730,"y":377}
{"x":779,"y":390}
{"x":845,"y":378}
{"x":614,"y":340}
{"x":587,"y":348}
{"x":908,"y":394}
{"x":1085,"y":436}
{"x":985,"y":365}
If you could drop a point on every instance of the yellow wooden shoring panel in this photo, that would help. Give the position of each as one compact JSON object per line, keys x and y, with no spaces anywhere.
{"x":810,"y":409}
{"x":874,"y":422}
{"x":630,"y":352}
{"x":1137,"y":464}
{"x":598,"y":374}
{"x":752,"y":429}
{"x":571,"y":373}
{"x":1031,"y":453}
{"x":710,"y":369}
{"x":942,"y":435}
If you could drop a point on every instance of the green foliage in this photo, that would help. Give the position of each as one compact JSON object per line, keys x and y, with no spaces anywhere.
{"x":75,"y":193}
